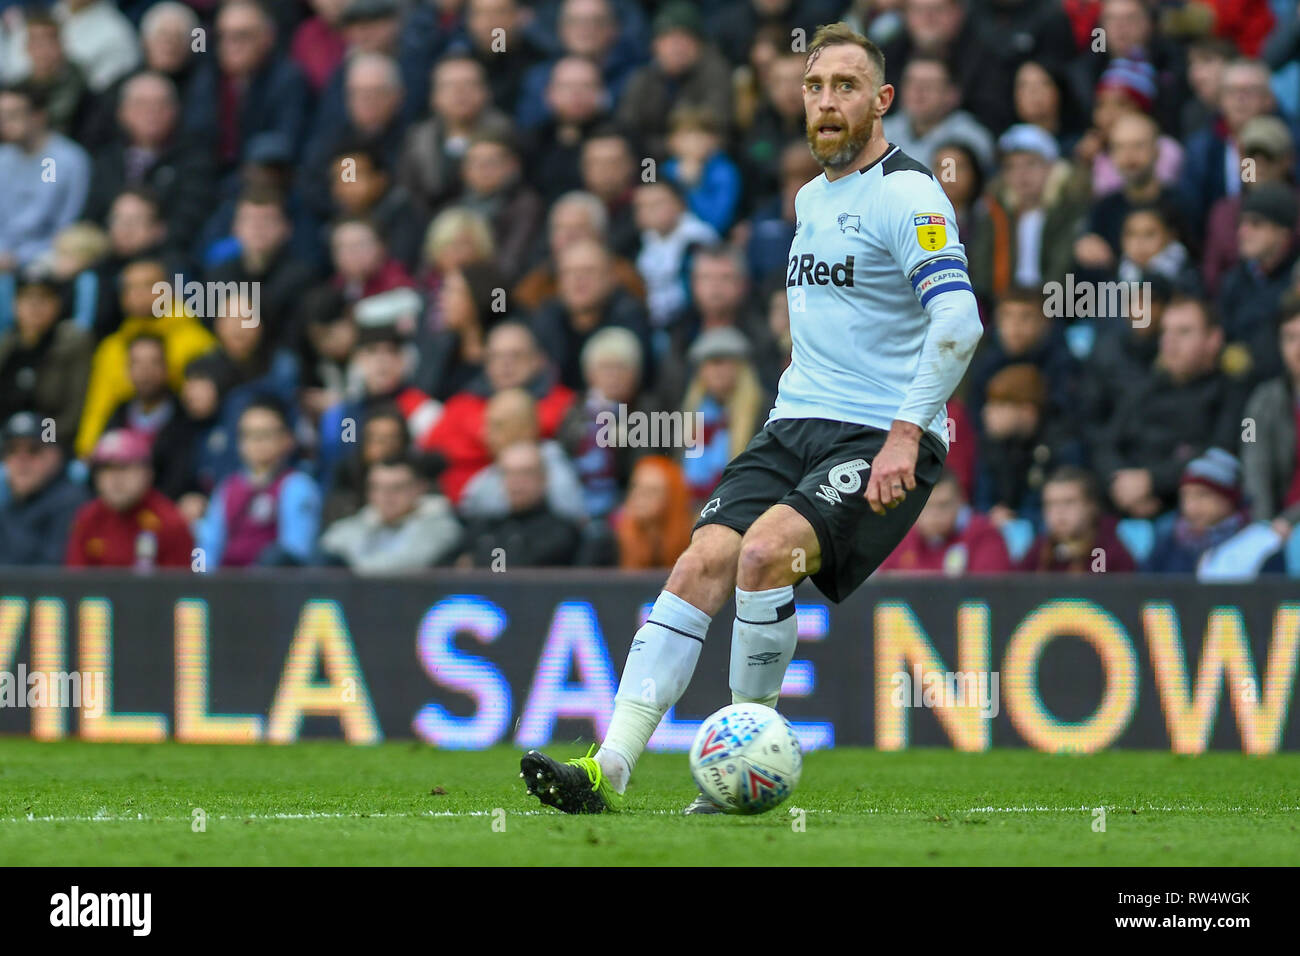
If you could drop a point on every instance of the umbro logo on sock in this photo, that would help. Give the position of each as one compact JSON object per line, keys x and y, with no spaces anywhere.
{"x":767,"y":657}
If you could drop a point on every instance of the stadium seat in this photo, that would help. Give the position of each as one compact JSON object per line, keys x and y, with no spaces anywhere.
{"x":1138,"y":535}
{"x":1019,"y":535}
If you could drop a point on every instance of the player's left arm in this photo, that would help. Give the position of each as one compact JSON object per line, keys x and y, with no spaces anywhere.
{"x":922,"y":233}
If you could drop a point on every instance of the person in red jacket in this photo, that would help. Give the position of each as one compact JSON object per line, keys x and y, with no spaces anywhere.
{"x":130,"y":523}
{"x":512,"y":359}
{"x":950,"y":537}
{"x":1076,"y":535}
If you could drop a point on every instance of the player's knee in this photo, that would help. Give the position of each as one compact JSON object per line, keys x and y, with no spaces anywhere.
{"x":704,"y":565}
{"x":765,"y":561}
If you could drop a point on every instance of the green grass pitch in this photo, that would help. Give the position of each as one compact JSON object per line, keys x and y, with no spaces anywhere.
{"x":72,"y":803}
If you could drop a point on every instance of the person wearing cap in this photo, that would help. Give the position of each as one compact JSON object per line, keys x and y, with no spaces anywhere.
{"x":1267,"y":250}
{"x":1211,"y":512}
{"x":928,"y":112}
{"x":725,"y":406}
{"x":129,"y":523}
{"x":152,"y":149}
{"x":38,"y":498}
{"x":685,"y":71}
{"x":1126,"y":87}
{"x":44,"y":359}
{"x":1038,"y":211}
{"x":1268,"y":148}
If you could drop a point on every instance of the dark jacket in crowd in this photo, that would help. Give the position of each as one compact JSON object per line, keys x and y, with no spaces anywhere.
{"x":182,"y":176}
{"x":48,"y":378}
{"x":1268,"y":463}
{"x":534,"y":538}
{"x":35,"y":530}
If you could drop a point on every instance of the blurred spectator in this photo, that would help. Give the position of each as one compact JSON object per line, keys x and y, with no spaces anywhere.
{"x":1040,"y":214}
{"x":1213,"y":150}
{"x":318,"y":44}
{"x":609,"y":172}
{"x":1044,"y":98}
{"x":386,"y":375}
{"x":686,"y":72}
{"x":185,"y":338}
{"x":771,"y":228}
{"x":707,"y":177}
{"x":1206,"y":58}
{"x":363,"y":266}
{"x":593,"y":431}
{"x":724,"y":407}
{"x":402,"y":529}
{"x":37,"y":512}
{"x":77,"y":252}
{"x":363,"y":189}
{"x":669,"y":232}
{"x":1149,"y":246}
{"x":267,"y":513}
{"x":590,"y":299}
{"x":1270,"y":456}
{"x":1132,"y":37}
{"x":1252,"y":289}
{"x":1124,"y":90}
{"x":494,"y":188}
{"x":384,"y":436}
{"x":574,"y":217}
{"x":471,"y":300}
{"x":213,"y":450}
{"x":950,"y":537}
{"x":1019,"y":445}
{"x":266,"y":261}
{"x":513,"y":359}
{"x":1076,"y":536}
{"x":511,"y":417}
{"x":154,"y":152}
{"x":1183,"y":405}
{"x":653,"y":527}
{"x":928,"y":113}
{"x":496,"y":38}
{"x":60,"y":81}
{"x":530,"y":534}
{"x":1268,"y":153}
{"x":135,"y":230}
{"x":1023,"y":334}
{"x":43,"y":361}
{"x":460,"y":105}
{"x":154,"y":413}
{"x":46,"y":176}
{"x":246,"y":88}
{"x":329,"y":337}
{"x":1132,"y":147}
{"x":778,"y":119}
{"x":578,"y":106}
{"x":129,"y":523}
{"x":1210,"y":514}
{"x":96,"y":37}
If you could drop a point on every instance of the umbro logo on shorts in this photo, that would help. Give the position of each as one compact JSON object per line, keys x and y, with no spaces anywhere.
{"x":844,"y":479}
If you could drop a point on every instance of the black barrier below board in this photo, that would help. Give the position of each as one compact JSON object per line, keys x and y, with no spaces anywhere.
{"x":469,"y":659}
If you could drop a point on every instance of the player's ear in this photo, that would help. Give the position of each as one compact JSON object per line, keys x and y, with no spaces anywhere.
{"x":884,"y":97}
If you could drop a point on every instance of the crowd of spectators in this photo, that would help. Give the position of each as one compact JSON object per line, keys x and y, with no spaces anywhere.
{"x":431,"y":265}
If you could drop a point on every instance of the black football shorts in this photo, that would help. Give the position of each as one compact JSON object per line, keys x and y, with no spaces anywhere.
{"x":820,"y":469}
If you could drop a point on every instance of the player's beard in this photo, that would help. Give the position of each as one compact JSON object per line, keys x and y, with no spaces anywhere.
{"x":845,"y":148}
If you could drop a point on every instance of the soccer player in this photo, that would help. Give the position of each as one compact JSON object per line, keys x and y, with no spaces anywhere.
{"x":884,"y":323}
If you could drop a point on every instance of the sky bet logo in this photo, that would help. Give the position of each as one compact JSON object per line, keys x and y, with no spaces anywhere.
{"x":808,"y":270}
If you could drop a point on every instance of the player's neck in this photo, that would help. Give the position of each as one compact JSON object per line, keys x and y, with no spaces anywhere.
{"x":876,"y":147}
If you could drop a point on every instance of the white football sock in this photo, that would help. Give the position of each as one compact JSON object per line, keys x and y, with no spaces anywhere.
{"x":658,"y":668}
{"x":763,"y":640}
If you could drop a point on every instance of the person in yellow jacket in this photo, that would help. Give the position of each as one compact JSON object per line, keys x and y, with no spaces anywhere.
{"x":183,"y":335}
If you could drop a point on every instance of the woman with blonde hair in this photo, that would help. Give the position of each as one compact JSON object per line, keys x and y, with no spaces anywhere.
{"x":653,"y":527}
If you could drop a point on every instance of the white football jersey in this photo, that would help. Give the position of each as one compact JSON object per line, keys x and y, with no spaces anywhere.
{"x":870,"y":251}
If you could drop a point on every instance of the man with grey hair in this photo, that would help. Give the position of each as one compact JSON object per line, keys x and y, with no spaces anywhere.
{"x":151,"y":151}
{"x":575,"y":216}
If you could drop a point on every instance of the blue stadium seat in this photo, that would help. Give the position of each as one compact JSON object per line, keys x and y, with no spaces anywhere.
{"x":1292,"y":551}
{"x":1018,"y":533}
{"x":1138,"y":535}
